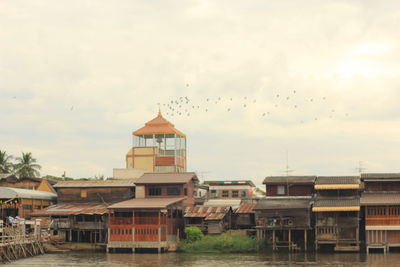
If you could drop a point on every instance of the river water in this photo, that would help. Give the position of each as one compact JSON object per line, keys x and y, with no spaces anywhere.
{"x":220,"y":260}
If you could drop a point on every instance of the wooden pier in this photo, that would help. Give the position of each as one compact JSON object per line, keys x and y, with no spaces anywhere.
{"x":20,"y":240}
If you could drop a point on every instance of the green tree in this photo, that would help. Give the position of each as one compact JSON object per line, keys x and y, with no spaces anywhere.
{"x":5,"y":165}
{"x":193,"y":234}
{"x":26,"y":166}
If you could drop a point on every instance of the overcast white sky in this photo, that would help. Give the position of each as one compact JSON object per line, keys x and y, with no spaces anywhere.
{"x":77,"y":77}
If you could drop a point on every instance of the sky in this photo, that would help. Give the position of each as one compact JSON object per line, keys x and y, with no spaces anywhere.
{"x":318,"y":81}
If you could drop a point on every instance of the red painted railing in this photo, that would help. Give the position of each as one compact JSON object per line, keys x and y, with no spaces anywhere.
{"x":147,"y":233}
{"x":121,"y":233}
{"x":382,"y":221}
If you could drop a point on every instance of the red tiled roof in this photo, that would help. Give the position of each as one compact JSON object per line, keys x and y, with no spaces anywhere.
{"x":208,"y":213}
{"x":158,"y":125}
{"x":72,"y":209}
{"x":246,"y":208}
{"x":372,"y":199}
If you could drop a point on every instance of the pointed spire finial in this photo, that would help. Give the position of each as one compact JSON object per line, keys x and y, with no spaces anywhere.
{"x":159,"y":110}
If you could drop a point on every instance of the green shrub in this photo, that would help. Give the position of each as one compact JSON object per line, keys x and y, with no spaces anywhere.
{"x":220,"y":244}
{"x":193,"y":234}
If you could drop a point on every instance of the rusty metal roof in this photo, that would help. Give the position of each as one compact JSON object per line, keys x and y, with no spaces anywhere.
{"x":146,"y":203}
{"x":246,"y":208}
{"x":289,"y":179}
{"x":376,"y":199}
{"x":166,"y":178}
{"x":208,"y":213}
{"x":72,"y":209}
{"x":97,"y":183}
{"x":337,"y":180}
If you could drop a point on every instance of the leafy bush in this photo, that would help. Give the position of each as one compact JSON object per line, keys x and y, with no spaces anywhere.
{"x":220,"y":244}
{"x":193,"y":234}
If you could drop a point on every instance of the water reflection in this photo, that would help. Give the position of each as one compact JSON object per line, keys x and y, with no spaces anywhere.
{"x":220,"y":260}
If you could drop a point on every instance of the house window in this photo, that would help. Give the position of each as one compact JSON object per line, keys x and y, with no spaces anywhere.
{"x":225,"y":193}
{"x":280,"y":190}
{"x":243,"y":193}
{"x":155,"y":191}
{"x":173,"y":191}
{"x":235,"y":193}
{"x":83,"y":193}
{"x":185,"y":192}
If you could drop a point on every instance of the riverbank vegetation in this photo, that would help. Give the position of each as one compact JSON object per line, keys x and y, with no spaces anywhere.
{"x":196,"y":242}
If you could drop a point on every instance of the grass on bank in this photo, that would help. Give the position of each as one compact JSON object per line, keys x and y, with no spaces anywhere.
{"x":217,"y":244}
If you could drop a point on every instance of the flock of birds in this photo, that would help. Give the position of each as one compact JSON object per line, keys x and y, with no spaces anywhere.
{"x":184,"y":106}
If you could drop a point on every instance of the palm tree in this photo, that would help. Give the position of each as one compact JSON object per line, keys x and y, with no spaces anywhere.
{"x":26,"y":166}
{"x":5,"y":165}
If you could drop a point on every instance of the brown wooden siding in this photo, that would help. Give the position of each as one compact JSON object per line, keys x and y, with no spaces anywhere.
{"x":294,"y":190}
{"x":94,"y":194}
{"x":379,"y":186}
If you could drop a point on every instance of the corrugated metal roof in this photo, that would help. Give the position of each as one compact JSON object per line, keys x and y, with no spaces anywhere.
{"x":72,"y":209}
{"x":289,"y":179}
{"x":380,"y":175}
{"x":282,"y":203}
{"x":223,"y":202}
{"x":375,"y":199}
{"x":97,"y":183}
{"x":145,"y":203}
{"x":246,"y":208}
{"x":208,"y":213}
{"x":166,"y":178}
{"x":337,"y":180}
{"x":337,"y":202}
{"x":11,"y":193}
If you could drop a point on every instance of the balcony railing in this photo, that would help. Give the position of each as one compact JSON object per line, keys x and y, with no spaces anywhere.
{"x":382,"y":221}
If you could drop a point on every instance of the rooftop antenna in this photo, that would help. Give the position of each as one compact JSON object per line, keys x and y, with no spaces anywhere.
{"x":288,"y":170}
{"x":360,"y":167}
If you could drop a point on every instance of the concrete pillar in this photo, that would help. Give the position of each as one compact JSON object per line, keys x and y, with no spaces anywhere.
{"x":290,"y":240}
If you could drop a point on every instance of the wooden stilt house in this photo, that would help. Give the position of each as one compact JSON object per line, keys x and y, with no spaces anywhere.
{"x":336,"y":208}
{"x":154,"y":220}
{"x":145,"y":224}
{"x":284,"y":216}
{"x":81,"y":213}
{"x":381,"y":203}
